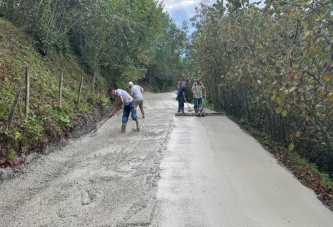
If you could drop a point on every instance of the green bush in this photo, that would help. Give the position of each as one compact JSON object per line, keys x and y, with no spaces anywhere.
{"x":12,"y":155}
{"x":91,"y":98}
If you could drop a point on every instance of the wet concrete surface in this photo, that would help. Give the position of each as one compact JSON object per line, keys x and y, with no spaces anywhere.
{"x":176,"y":171}
{"x":214,"y":174}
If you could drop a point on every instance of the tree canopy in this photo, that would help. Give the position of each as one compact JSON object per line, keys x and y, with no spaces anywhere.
{"x":120,"y":39}
{"x":272,"y":67}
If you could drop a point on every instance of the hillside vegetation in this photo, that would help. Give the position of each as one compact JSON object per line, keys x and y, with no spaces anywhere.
{"x":272,"y":67}
{"x":114,"y":41}
{"x":47,"y":120}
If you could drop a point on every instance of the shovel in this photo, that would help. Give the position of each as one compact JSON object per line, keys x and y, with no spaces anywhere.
{"x":189,"y":108}
{"x":104,"y":122}
{"x":100,"y":125}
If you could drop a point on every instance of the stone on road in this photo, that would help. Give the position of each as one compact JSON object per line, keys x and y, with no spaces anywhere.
{"x":175,"y":171}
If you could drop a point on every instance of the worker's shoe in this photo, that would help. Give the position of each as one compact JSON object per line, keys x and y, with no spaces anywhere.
{"x":183,"y":111}
{"x":123,"y":128}
{"x":178,"y":110}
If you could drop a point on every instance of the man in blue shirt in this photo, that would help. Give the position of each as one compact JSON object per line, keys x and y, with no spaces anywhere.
{"x":181,"y":94}
{"x":123,"y":98}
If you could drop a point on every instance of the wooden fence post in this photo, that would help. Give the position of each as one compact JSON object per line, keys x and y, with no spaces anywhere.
{"x":93,"y":83}
{"x":10,"y":118}
{"x":27,"y":92}
{"x":149,"y":80}
{"x":80,"y":90}
{"x":60,"y":87}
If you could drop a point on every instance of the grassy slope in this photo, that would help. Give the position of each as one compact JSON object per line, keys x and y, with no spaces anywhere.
{"x":47,"y":120}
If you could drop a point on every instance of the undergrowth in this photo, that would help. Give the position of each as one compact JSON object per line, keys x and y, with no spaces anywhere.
{"x":47,"y":121}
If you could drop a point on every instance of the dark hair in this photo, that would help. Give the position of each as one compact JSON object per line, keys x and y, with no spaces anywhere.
{"x":111,"y":89}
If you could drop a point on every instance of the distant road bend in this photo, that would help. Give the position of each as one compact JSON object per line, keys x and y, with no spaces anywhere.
{"x":174,"y":172}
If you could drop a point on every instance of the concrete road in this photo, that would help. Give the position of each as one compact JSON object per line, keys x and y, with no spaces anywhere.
{"x":176,"y":171}
{"x":214,"y":174}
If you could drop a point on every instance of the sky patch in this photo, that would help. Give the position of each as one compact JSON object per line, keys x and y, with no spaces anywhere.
{"x":181,"y":10}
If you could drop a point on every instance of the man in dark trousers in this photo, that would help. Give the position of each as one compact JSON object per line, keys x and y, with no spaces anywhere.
{"x":123,"y":98}
{"x":181,"y":94}
{"x":198,"y":89}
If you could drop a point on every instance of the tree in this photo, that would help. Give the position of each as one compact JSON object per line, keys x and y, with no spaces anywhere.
{"x":272,"y":67}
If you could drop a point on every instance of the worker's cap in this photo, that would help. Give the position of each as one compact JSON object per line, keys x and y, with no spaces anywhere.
{"x":130,"y":83}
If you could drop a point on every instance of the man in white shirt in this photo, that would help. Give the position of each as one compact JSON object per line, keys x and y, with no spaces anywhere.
{"x":137,"y":94}
{"x":122,"y":97}
{"x":197,"y":89}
